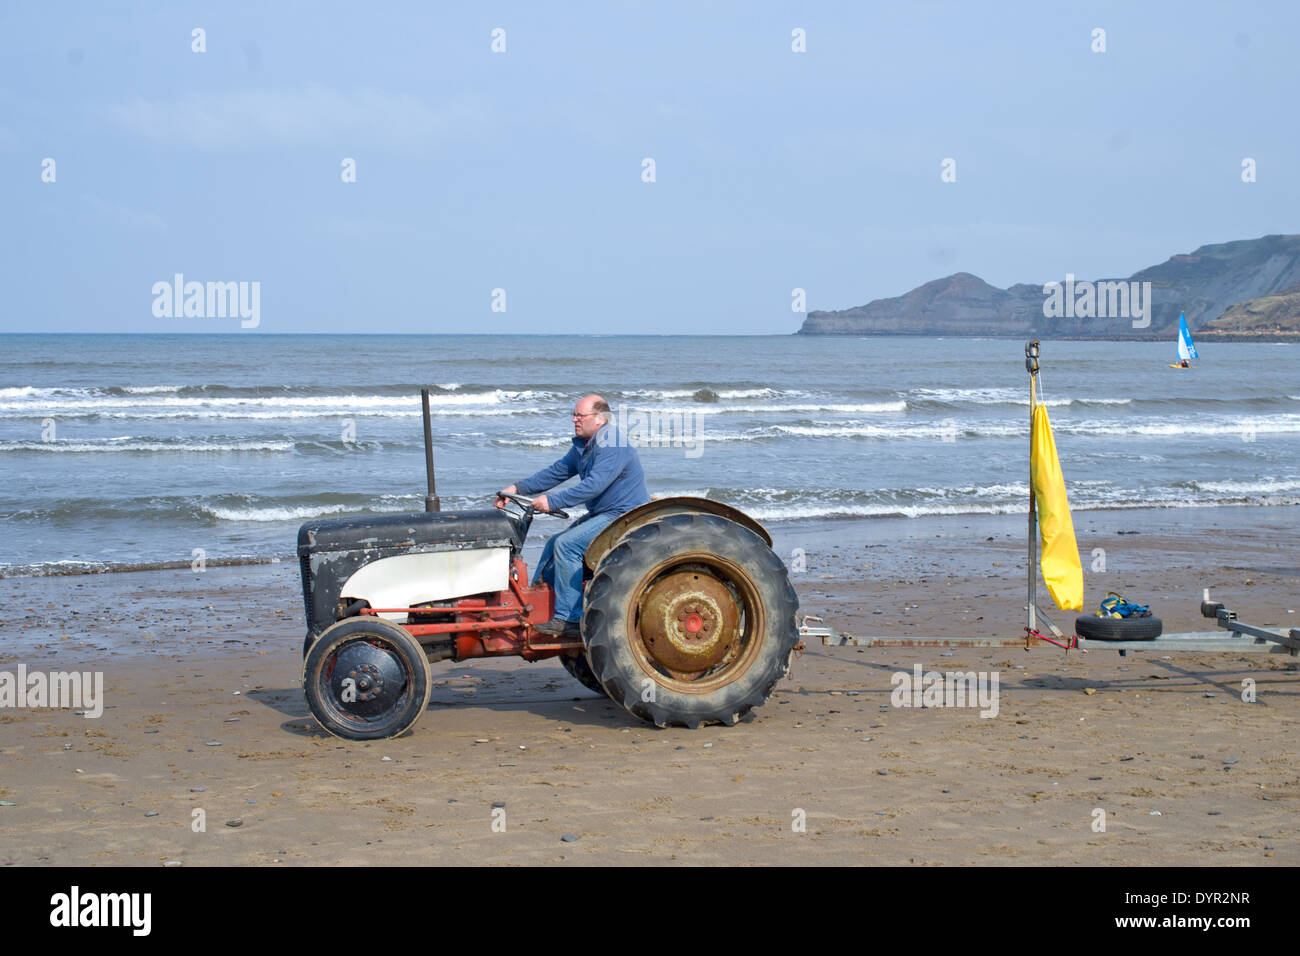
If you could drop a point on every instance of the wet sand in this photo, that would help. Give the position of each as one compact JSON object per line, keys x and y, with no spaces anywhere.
{"x":204,"y":711}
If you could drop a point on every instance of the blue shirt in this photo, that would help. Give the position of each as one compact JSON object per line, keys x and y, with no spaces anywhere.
{"x":610,"y":469}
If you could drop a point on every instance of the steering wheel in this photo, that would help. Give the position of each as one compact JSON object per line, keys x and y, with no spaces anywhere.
{"x":527,"y":505}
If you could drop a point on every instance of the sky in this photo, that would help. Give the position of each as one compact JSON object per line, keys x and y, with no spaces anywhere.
{"x":524,"y":168}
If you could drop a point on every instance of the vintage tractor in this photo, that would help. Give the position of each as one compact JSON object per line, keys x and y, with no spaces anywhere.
{"x":688,"y":617}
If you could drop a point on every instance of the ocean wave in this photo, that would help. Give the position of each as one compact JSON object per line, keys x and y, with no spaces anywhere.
{"x":291,"y":414}
{"x":66,"y":568}
{"x":275,"y":513}
{"x":999,"y":396}
{"x":1014,"y":490}
{"x":561,"y":442}
{"x":359,"y":505}
{"x":115,"y":445}
{"x":144,"y":399}
{"x":811,"y":510}
{"x":1245,"y":427}
{"x":796,"y":511}
{"x":942,"y":431}
{"x":859,"y":408}
{"x":1260,"y":486}
{"x":710,"y":393}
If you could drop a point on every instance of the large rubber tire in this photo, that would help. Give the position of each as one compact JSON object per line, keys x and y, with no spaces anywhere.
{"x":390,"y":689}
{"x":690,"y":620}
{"x":581,"y":671}
{"x":1117,"y":628}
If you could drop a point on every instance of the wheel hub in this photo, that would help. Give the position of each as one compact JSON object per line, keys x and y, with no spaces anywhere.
{"x":367,"y":679}
{"x":689,"y":621}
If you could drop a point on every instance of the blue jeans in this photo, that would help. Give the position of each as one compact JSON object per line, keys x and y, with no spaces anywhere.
{"x":560,"y":565}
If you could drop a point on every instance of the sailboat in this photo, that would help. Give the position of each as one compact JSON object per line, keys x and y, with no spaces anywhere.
{"x":1186,"y":347}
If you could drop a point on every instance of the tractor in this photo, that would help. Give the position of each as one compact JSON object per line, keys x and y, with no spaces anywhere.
{"x":688,"y":614}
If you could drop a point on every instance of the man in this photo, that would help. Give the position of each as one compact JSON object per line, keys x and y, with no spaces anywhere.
{"x":611,"y":484}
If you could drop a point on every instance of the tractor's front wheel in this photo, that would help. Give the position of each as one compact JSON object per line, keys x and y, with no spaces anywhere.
{"x":366,"y":679}
{"x":690,"y":620}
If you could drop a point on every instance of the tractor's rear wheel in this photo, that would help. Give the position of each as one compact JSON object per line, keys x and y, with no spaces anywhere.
{"x":366,"y":679}
{"x":690,"y":620}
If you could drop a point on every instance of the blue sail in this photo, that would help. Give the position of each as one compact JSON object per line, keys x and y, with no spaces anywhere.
{"x":1186,"y":347}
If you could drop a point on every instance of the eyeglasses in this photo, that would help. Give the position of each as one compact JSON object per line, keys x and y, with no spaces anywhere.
{"x":588,"y":415}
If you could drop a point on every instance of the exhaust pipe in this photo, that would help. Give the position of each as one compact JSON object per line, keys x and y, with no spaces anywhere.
{"x":431,"y":502}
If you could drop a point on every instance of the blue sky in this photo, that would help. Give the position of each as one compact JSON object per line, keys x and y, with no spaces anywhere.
{"x":522,"y":170}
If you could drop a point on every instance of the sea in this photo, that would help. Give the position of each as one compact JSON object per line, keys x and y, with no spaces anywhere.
{"x":135,"y":451}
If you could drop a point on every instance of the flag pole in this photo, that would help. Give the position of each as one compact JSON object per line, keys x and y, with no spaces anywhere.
{"x":1031,"y":366}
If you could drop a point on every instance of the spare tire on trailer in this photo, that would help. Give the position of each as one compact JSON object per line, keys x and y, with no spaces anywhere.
{"x":1117,"y":628}
{"x":690,"y":620}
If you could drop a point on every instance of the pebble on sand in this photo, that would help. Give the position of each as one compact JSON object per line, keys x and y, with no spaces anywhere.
{"x":237,"y":822}
{"x":568,"y":838}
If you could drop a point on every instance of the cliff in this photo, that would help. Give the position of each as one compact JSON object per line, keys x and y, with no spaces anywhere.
{"x":1277,"y":314}
{"x":1205,"y":284}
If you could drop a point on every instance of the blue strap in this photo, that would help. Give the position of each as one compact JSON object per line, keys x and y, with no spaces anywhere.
{"x":1116,"y":604}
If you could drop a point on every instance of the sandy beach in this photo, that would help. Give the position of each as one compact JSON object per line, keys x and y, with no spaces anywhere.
{"x":203,"y":711}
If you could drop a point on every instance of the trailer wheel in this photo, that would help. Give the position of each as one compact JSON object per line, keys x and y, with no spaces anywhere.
{"x":690,"y":620}
{"x":366,"y":679}
{"x":581,"y":671}
{"x":1117,"y":628}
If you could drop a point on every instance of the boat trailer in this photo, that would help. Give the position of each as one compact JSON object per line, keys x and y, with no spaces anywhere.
{"x":1241,"y":637}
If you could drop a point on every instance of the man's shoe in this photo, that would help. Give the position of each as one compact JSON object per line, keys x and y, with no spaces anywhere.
{"x":559,"y":627}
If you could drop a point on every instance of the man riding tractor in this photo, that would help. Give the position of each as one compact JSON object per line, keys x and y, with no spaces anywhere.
{"x":678,"y":610}
{"x":612,"y":483}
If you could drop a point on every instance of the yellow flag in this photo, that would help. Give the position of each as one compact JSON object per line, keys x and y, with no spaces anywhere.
{"x":1060,"y":552}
